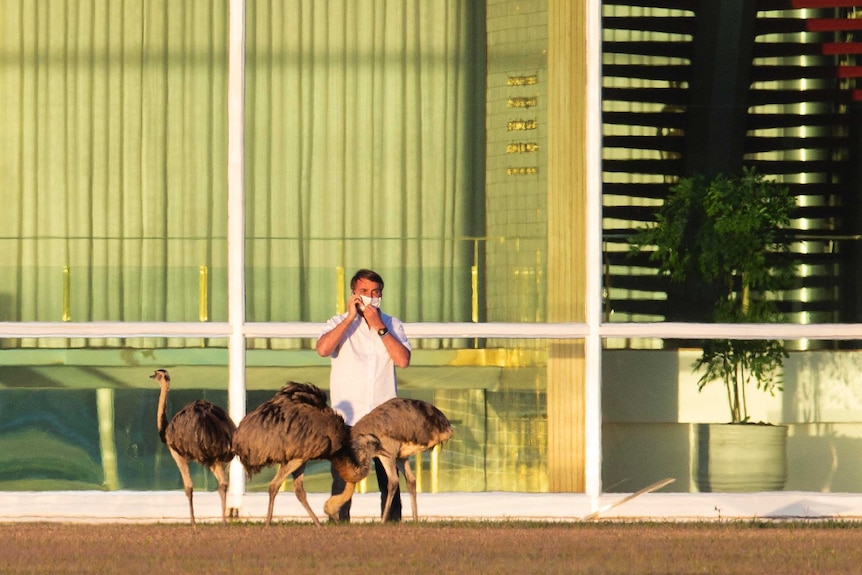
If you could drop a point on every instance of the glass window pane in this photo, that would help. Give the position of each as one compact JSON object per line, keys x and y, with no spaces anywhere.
{"x":495,"y":398}
{"x":356,"y":159}
{"x":93,"y":427}
{"x":651,"y":404}
{"x":115,"y":141}
{"x":664,"y":117}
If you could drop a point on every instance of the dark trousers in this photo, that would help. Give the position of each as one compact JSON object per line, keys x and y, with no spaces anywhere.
{"x":382,"y":481}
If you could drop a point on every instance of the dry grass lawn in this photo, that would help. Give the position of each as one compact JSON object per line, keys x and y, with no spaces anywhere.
{"x":468,"y":547}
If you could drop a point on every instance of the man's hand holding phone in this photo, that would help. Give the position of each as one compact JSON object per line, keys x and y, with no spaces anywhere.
{"x":355,"y":306}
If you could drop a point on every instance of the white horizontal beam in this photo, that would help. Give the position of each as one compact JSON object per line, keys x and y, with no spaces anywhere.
{"x":785,"y":331}
{"x":432,"y":330}
{"x":497,"y":330}
{"x":113,"y":329}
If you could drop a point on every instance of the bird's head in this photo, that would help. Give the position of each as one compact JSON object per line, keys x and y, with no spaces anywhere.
{"x":162,"y":376}
{"x":367,"y":446}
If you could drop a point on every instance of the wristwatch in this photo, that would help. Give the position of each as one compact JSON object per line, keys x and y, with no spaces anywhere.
{"x":382,"y":331}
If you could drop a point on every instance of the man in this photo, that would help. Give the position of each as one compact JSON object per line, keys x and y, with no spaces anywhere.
{"x":365,"y":345}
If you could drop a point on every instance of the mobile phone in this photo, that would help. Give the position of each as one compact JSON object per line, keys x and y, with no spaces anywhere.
{"x":359,"y":307}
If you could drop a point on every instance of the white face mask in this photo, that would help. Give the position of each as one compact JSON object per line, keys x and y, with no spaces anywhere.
{"x":372,"y":301}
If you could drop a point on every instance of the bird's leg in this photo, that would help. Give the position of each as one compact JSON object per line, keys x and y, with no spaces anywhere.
{"x":274,"y":486}
{"x":295,"y":467}
{"x":334,"y":503}
{"x":299,"y":490}
{"x":218,"y":471}
{"x":392,"y":483}
{"x":183,"y":466}
{"x":411,"y":485}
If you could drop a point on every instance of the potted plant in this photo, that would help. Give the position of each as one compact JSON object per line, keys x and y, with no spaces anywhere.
{"x":724,"y":236}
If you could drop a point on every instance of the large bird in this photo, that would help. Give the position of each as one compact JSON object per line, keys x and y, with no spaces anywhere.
{"x":201,"y":431}
{"x":392,"y":432}
{"x":292,"y":428}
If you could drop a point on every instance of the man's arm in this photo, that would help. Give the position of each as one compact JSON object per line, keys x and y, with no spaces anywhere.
{"x":399,"y":353}
{"x":329,"y":341}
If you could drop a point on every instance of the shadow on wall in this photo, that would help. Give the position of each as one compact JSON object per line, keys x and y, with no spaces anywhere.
{"x":640,"y":386}
{"x":822,"y":400}
{"x":635,"y":455}
{"x":830,"y":462}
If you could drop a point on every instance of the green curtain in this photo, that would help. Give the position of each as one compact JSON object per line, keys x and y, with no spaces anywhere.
{"x":364,"y":148}
{"x":113,"y":130}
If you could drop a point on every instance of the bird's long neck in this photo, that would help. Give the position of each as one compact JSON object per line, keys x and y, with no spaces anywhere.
{"x":335,"y":502}
{"x":352,"y":464}
{"x":162,"y":413}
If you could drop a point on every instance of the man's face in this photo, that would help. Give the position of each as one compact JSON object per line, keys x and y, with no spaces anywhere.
{"x":369,"y":290}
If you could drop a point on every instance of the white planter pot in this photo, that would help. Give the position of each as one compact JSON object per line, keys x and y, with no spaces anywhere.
{"x":738,"y":457}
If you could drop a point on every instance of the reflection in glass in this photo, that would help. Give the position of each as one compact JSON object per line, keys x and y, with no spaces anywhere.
{"x":82,"y":427}
{"x":651,"y":405}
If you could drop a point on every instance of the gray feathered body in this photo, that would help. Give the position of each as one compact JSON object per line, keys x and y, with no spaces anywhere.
{"x":392,"y":431}
{"x":402,"y":427}
{"x":201,"y":431}
{"x":294,"y":427}
{"x":296,"y":423}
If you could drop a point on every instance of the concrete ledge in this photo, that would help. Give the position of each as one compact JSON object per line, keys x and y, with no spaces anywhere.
{"x":172,"y":507}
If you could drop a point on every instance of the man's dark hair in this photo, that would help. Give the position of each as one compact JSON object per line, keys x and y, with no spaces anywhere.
{"x":365,"y":274}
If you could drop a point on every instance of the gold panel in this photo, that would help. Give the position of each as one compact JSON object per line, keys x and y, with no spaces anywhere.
{"x":520,"y":125}
{"x":522,"y":148}
{"x":525,"y":171}
{"x":566,"y":240}
{"x":522,"y":102}
{"x":530,"y":80}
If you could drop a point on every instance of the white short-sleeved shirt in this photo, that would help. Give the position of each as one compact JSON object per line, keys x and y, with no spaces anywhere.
{"x":362,"y":374}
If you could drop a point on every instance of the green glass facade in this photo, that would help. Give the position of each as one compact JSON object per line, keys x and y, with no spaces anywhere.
{"x":409,"y":137}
